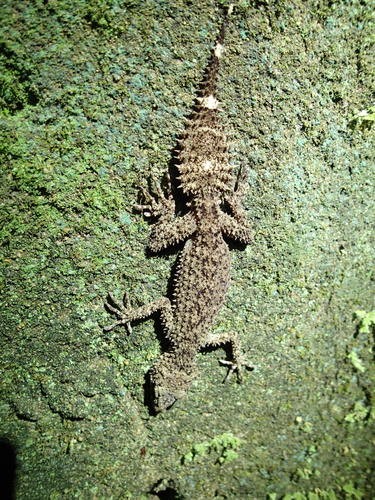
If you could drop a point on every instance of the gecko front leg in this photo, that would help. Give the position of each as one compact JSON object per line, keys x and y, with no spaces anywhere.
{"x":169,"y":229}
{"x":235,"y":225}
{"x":157,"y":203}
{"x":236,"y":198}
{"x":125,"y":314}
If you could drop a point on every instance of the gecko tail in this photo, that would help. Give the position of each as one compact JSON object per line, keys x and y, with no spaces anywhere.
{"x":209,"y":82}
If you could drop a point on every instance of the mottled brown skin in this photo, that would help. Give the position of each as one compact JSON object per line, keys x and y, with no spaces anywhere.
{"x":202,"y":275}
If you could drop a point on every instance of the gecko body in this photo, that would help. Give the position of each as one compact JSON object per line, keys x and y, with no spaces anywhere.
{"x":202,"y":275}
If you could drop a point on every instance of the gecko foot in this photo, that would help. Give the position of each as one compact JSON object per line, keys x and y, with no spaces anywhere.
{"x":121,"y":311}
{"x":157,"y":203}
{"x":235,"y":367}
{"x":241,"y":183}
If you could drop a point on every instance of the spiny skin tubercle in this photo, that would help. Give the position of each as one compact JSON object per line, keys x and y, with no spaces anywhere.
{"x":202,"y":275}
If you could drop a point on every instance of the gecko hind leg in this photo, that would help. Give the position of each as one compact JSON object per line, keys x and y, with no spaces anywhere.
{"x":241,"y":186}
{"x":236,"y":198}
{"x":236,"y":364}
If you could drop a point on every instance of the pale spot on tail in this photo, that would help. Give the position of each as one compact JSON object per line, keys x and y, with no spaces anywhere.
{"x":207,"y":165}
{"x":209,"y":102}
{"x":219,"y":49}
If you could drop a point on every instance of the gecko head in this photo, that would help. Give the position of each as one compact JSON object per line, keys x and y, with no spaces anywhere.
{"x":164,"y":399}
{"x":167,"y":392}
{"x":169,"y":384}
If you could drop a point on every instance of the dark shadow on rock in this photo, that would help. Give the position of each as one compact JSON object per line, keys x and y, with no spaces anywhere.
{"x":7,"y":469}
{"x":149,"y":395}
{"x":165,"y":490}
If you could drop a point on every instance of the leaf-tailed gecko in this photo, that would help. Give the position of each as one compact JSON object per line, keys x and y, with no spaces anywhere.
{"x":201,"y":280}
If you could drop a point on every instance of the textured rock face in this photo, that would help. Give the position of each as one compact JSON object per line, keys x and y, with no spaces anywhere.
{"x":94,"y":97}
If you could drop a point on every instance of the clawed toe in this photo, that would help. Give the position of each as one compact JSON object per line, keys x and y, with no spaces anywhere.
{"x":241,"y":179}
{"x":120,"y":311}
{"x":235,"y":367}
{"x":112,"y":306}
{"x":156,"y":201}
{"x":149,"y":207}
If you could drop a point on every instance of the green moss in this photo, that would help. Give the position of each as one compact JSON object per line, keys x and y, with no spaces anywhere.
{"x":356,"y":361}
{"x":367,"y":321}
{"x":363,"y":119}
{"x":223,"y":448}
{"x":359,"y":414}
{"x":16,"y":79}
{"x":347,"y":491}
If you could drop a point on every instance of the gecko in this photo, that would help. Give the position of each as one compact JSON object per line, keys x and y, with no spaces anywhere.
{"x":214,"y":213}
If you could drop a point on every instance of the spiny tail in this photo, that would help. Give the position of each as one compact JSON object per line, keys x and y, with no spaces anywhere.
{"x":204,"y":165}
{"x":208,"y":85}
